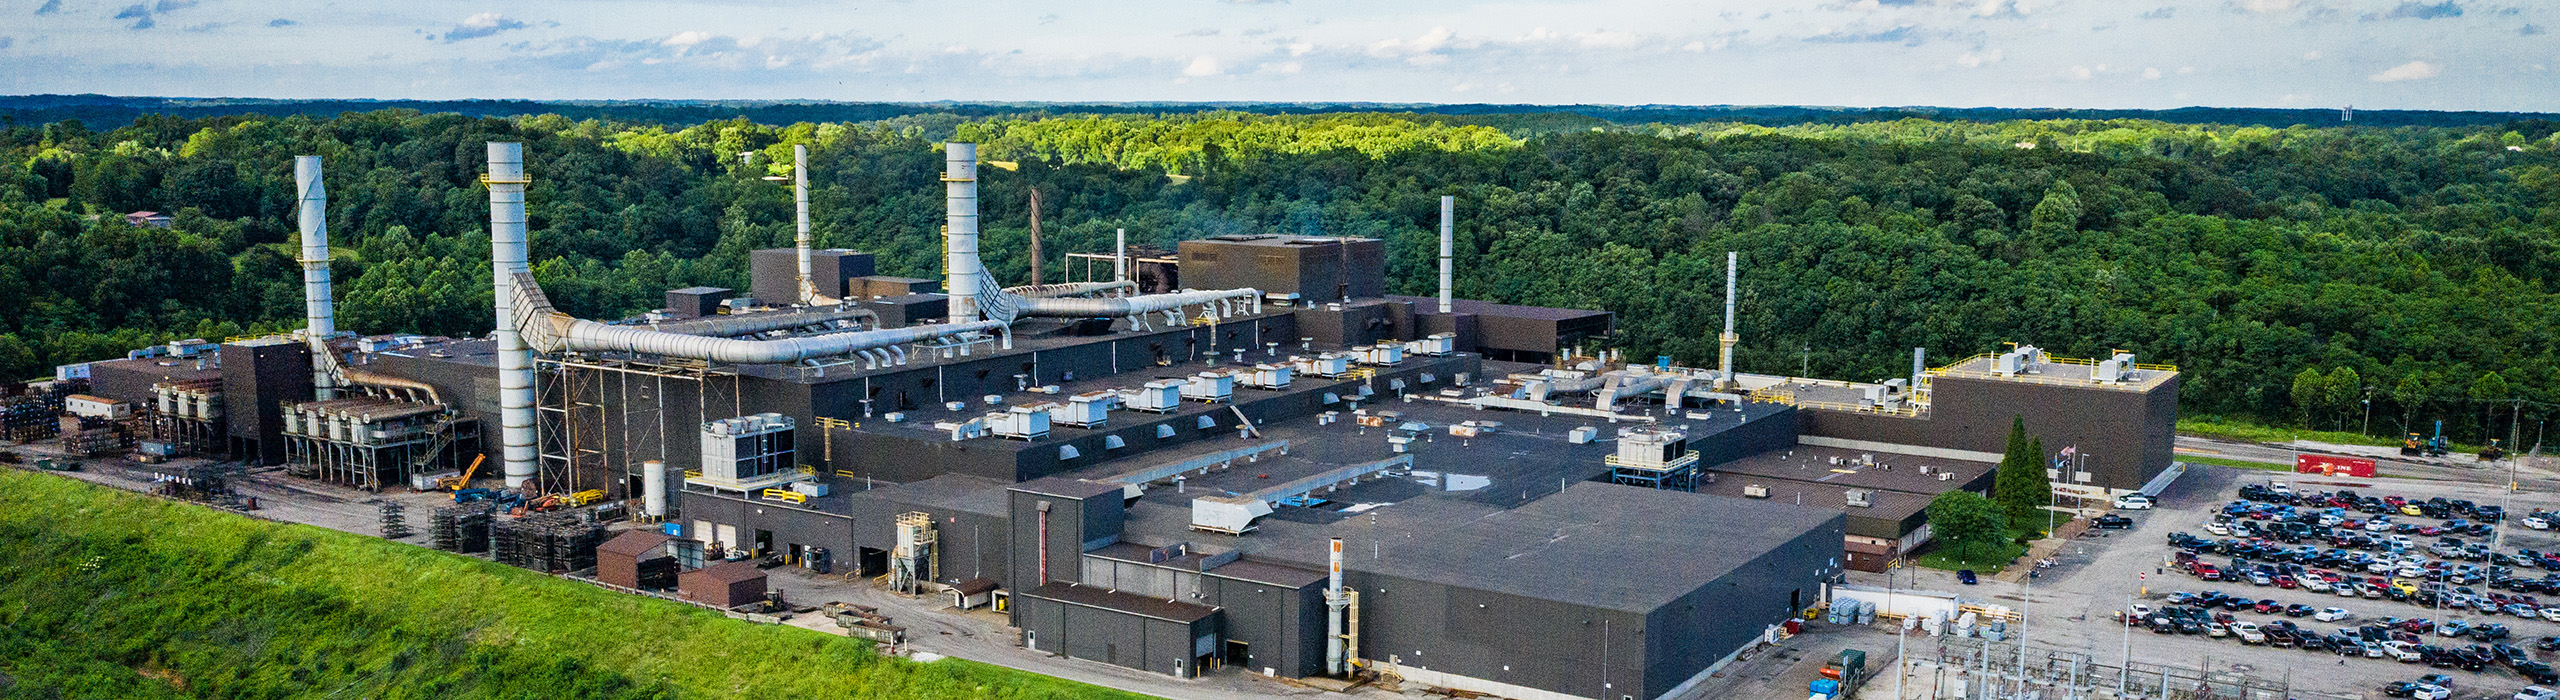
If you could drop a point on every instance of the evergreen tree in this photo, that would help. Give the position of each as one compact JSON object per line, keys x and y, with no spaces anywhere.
{"x":2020,"y":485}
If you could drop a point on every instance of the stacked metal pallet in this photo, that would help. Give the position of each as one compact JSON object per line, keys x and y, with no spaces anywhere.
{"x":460,"y":528}
{"x":548,"y":542}
{"x":395,"y":520}
{"x":28,"y":419}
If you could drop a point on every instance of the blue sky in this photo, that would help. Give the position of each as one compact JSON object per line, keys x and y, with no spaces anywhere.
{"x":2445,"y":54}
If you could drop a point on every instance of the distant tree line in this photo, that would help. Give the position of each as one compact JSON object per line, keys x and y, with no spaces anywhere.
{"x":2414,"y":262}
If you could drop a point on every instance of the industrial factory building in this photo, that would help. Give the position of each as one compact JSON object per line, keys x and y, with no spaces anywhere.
{"x":1240,"y":455}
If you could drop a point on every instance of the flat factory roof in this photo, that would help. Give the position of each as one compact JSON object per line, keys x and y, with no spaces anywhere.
{"x":1595,"y":544}
{"x":1843,"y":467}
{"x":2059,"y":371}
{"x":1487,"y":308}
{"x":1131,"y":603}
{"x":1889,"y":506}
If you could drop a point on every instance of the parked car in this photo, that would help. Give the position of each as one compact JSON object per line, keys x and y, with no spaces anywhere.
{"x":2535,"y":692}
{"x":2332,"y":614}
{"x":1966,"y":576}
{"x":2112,"y":521}
{"x":2133,"y":501}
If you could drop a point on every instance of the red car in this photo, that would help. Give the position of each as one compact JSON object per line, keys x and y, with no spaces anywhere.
{"x":2286,"y":581}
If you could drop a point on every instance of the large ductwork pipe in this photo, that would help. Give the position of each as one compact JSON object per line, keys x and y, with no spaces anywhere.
{"x":416,"y":390}
{"x":1448,"y":242}
{"x":1725,"y":343}
{"x":506,"y":182}
{"x":552,"y":331}
{"x":960,"y":235}
{"x":1626,"y":384}
{"x":319,"y":317}
{"x":726,"y":326}
{"x":1131,"y":306}
{"x":1069,"y":289}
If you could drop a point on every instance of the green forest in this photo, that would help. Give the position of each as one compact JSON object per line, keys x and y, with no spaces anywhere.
{"x":112,"y":594}
{"x":2410,"y":273}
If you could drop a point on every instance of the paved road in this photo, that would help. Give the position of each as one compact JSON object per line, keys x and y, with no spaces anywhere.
{"x":2531,"y":478}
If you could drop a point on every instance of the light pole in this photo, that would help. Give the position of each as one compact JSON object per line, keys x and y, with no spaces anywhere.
{"x":2368,"y":412}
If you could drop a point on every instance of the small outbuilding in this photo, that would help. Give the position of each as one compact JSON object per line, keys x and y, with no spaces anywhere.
{"x":618,"y":560}
{"x":970,"y":594}
{"x":723,"y":585}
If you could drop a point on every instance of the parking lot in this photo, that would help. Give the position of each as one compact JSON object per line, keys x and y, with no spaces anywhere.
{"x":2102,"y":572}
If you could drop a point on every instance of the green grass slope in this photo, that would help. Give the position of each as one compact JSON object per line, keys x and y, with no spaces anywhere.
{"x":109,"y":594}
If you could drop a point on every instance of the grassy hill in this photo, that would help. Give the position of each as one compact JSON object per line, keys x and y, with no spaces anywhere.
{"x":109,"y":594}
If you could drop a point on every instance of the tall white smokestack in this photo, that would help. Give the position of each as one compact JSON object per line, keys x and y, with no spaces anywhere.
{"x":1448,"y":209}
{"x":1120,"y":256}
{"x":800,"y":196}
{"x":960,"y":237}
{"x":1724,"y":361}
{"x":515,"y":361}
{"x":318,"y":315}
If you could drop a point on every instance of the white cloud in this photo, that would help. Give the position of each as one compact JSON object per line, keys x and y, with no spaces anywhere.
{"x":1434,"y":40}
{"x":2413,"y":70}
{"x":2269,"y":6}
{"x":1978,"y":59}
{"x":2311,"y":56}
{"x":2186,"y":70}
{"x":1301,"y":49}
{"x":1694,"y":47}
{"x":1605,"y":39}
{"x":2150,"y":74}
{"x":2083,"y":72}
{"x":688,"y":38}
{"x":1203,"y":67}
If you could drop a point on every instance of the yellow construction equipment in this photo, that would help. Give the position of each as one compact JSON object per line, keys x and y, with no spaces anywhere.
{"x":455,"y":483}
{"x":583,"y":497}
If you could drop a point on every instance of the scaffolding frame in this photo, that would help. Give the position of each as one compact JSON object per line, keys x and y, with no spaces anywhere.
{"x":584,"y":402}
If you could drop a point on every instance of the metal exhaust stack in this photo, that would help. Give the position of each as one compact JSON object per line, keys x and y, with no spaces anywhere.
{"x":1919,"y":367}
{"x":1334,"y":603}
{"x":1448,"y":207}
{"x":960,"y":235}
{"x":1724,"y":362}
{"x":1120,"y":256}
{"x":506,"y":181}
{"x":319,"y":316}
{"x":800,"y":242}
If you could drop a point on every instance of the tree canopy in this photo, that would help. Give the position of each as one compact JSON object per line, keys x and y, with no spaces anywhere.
{"x":2420,"y":258}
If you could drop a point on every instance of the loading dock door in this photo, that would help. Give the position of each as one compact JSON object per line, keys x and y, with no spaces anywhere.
{"x":1239,"y":653}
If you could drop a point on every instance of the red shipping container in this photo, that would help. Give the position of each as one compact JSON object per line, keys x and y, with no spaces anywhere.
{"x":2333,"y":465}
